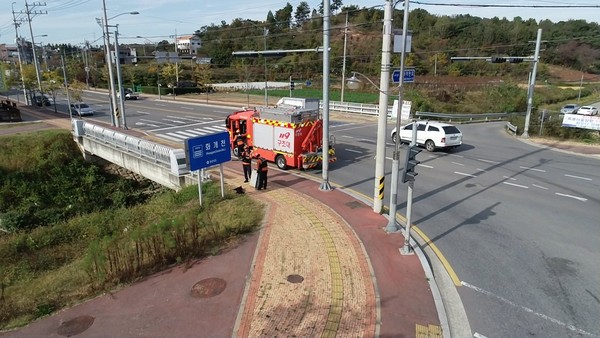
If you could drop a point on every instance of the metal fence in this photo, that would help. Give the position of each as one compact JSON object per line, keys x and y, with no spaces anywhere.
{"x":138,"y":147}
{"x":373,"y":109}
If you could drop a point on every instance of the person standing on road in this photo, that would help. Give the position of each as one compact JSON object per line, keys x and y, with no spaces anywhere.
{"x":247,"y":163}
{"x":262,"y":169}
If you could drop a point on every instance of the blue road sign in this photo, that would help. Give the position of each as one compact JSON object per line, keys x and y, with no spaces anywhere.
{"x":409,"y":75}
{"x":207,"y":151}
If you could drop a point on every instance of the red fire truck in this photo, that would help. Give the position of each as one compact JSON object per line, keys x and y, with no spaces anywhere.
{"x":289,"y":134}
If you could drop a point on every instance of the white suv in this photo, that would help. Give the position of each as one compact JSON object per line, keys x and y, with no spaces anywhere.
{"x":432,"y":135}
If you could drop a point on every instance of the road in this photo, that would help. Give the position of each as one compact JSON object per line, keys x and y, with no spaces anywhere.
{"x":517,"y":223}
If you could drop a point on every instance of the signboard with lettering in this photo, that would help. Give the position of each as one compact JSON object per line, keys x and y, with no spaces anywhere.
{"x":284,"y":139}
{"x":409,"y":75}
{"x":581,"y":121}
{"x":207,"y":151}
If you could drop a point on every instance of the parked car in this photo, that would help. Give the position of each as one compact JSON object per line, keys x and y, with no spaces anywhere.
{"x":569,"y":109}
{"x":587,"y":110}
{"x":431,"y":135}
{"x":81,"y":109}
{"x":41,"y":100}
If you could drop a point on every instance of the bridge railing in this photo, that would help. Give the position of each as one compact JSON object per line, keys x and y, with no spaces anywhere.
{"x":140,"y":148}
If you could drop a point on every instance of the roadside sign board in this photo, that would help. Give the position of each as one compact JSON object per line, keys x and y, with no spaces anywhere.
{"x":207,"y":151}
{"x":409,"y":75}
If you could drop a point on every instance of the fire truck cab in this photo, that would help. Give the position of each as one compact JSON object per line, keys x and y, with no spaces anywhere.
{"x":289,"y":134}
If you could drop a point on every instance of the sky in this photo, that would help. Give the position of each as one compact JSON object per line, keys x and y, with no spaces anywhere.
{"x":74,"y":21}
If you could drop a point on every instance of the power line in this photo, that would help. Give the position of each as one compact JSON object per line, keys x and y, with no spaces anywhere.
{"x":502,"y":5}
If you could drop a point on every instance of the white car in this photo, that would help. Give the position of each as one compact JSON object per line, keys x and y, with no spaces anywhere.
{"x":81,"y":109}
{"x":587,"y":110}
{"x":431,"y":135}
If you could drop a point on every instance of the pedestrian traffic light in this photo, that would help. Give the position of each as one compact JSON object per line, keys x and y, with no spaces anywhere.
{"x":497,"y":59}
{"x":515,"y":60}
{"x":292,"y":85}
{"x":410,"y":164}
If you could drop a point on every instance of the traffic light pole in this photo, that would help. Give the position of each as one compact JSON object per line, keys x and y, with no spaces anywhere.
{"x":392,"y":225}
{"x":407,"y":249}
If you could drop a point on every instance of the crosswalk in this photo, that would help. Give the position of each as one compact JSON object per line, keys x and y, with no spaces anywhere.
{"x":182,"y":135}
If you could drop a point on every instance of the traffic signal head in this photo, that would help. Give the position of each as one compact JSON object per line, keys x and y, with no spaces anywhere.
{"x":497,"y":59}
{"x":515,"y":60}
{"x":292,"y":85}
{"x":410,"y":164}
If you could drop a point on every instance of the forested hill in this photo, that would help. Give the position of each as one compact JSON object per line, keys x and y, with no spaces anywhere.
{"x":574,"y":44}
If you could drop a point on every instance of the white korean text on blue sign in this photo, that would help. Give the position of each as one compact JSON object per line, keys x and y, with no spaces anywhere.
{"x":207,"y":151}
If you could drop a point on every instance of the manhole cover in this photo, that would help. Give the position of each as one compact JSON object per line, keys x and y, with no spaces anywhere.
{"x":295,"y":279}
{"x":75,"y":326}
{"x":209,"y":287}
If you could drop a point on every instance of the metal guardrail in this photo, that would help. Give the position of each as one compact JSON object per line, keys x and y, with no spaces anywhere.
{"x":511,"y":127}
{"x":373,"y":109}
{"x":140,"y":148}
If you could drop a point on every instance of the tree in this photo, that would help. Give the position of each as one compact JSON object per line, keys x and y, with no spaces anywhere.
{"x":334,"y":7}
{"x":302,"y":12}
{"x":284,"y":17}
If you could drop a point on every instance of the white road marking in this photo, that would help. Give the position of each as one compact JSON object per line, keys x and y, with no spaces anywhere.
{"x":142,"y":112}
{"x":478,"y":335}
{"x":579,"y":177}
{"x":456,"y":155}
{"x":534,"y":169}
{"x":216,"y":128}
{"x":464,"y":174}
{"x":539,"y":186}
{"x":485,"y":171}
{"x":425,"y":166}
{"x":571,"y":196}
{"x":161,"y":105}
{"x":364,"y":139}
{"x":526,"y":309}
{"x":145,"y":124}
{"x":346,"y":136}
{"x":185,"y":133}
{"x":516,"y":185}
{"x":189,"y":108}
{"x":177,"y":139}
{"x":510,"y":178}
{"x":460,"y":164}
{"x":487,"y":161}
{"x":354,"y":151}
{"x":182,"y":118}
{"x":341,"y":125}
{"x":201,"y":131}
{"x":176,"y":121}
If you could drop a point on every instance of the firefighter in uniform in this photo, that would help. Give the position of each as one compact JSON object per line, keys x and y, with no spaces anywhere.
{"x":240,"y":143}
{"x":246,"y":163}
{"x":262,"y":170}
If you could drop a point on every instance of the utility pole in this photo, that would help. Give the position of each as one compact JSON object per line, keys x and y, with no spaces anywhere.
{"x":113,"y":94}
{"x":265,"y":33}
{"x":325,"y":186}
{"x":536,"y":57}
{"x":384,"y":85}
{"x":344,"y":60}
{"x":18,"y":40}
{"x":30,"y":12}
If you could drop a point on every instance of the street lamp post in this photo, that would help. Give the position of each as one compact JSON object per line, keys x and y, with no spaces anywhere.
{"x":113,"y":95}
{"x":325,"y":186}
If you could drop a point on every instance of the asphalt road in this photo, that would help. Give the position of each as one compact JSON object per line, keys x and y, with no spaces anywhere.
{"x":517,"y":223}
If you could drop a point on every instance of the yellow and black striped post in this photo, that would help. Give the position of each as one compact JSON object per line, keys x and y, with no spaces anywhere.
{"x":381,"y":187}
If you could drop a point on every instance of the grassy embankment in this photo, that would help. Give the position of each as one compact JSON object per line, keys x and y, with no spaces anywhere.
{"x":46,"y":268}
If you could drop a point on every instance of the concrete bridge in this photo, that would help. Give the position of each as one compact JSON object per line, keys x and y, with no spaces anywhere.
{"x":157,"y":162}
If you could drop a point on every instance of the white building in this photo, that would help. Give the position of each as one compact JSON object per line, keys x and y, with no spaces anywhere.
{"x":188,"y":44}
